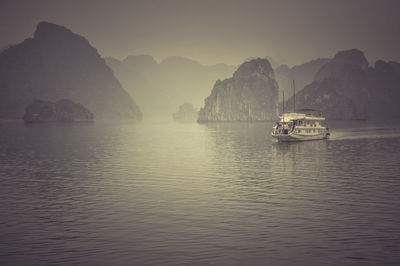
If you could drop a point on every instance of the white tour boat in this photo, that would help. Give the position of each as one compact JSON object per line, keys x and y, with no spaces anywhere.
{"x":300,"y":126}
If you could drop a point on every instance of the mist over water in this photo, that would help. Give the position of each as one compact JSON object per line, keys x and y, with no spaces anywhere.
{"x":165,"y":193}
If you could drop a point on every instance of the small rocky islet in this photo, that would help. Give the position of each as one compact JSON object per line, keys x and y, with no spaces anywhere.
{"x":64,"y":110}
{"x":186,"y":113}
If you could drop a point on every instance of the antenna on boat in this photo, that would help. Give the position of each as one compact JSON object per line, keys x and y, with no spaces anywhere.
{"x":283,"y":106}
{"x":294,"y":97}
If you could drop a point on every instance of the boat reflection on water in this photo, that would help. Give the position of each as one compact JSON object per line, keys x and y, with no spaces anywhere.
{"x":308,"y":152}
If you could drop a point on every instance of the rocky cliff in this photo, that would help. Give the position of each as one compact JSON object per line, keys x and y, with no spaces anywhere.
{"x":62,"y":111}
{"x":348,"y":88}
{"x":303,"y":75}
{"x":250,"y":95}
{"x":58,"y":64}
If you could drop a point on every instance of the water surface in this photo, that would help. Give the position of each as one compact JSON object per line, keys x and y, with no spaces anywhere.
{"x":163,"y":193}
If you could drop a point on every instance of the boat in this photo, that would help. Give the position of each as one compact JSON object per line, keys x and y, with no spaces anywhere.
{"x":300,"y":125}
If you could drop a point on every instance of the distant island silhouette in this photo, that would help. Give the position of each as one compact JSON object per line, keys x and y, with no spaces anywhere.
{"x":348,"y":88}
{"x":58,"y":64}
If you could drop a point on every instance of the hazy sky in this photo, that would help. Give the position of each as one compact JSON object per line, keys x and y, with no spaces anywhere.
{"x":216,"y":31}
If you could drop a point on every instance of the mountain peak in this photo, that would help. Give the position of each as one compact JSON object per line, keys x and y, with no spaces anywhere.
{"x":146,"y":60}
{"x":255,"y":66}
{"x":352,"y":56}
{"x":45,"y":28}
{"x":179,"y":60}
{"x":344,"y":62}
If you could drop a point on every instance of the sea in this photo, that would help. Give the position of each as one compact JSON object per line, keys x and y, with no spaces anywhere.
{"x":160,"y":192}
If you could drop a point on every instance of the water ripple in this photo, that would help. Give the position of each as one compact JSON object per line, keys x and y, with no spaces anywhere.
{"x":190,"y":194}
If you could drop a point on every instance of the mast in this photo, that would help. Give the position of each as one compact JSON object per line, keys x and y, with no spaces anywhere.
{"x":294,"y":97}
{"x":283,"y":107}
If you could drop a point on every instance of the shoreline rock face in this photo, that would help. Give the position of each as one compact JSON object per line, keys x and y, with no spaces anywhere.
{"x":250,"y":95}
{"x":186,"y":113}
{"x":58,"y":64}
{"x":62,"y":111}
{"x":347,"y":88}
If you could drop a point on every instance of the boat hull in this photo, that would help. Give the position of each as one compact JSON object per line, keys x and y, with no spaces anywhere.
{"x":298,"y":137}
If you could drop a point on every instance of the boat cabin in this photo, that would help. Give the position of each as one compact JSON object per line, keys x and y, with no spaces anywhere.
{"x":299,"y":123}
